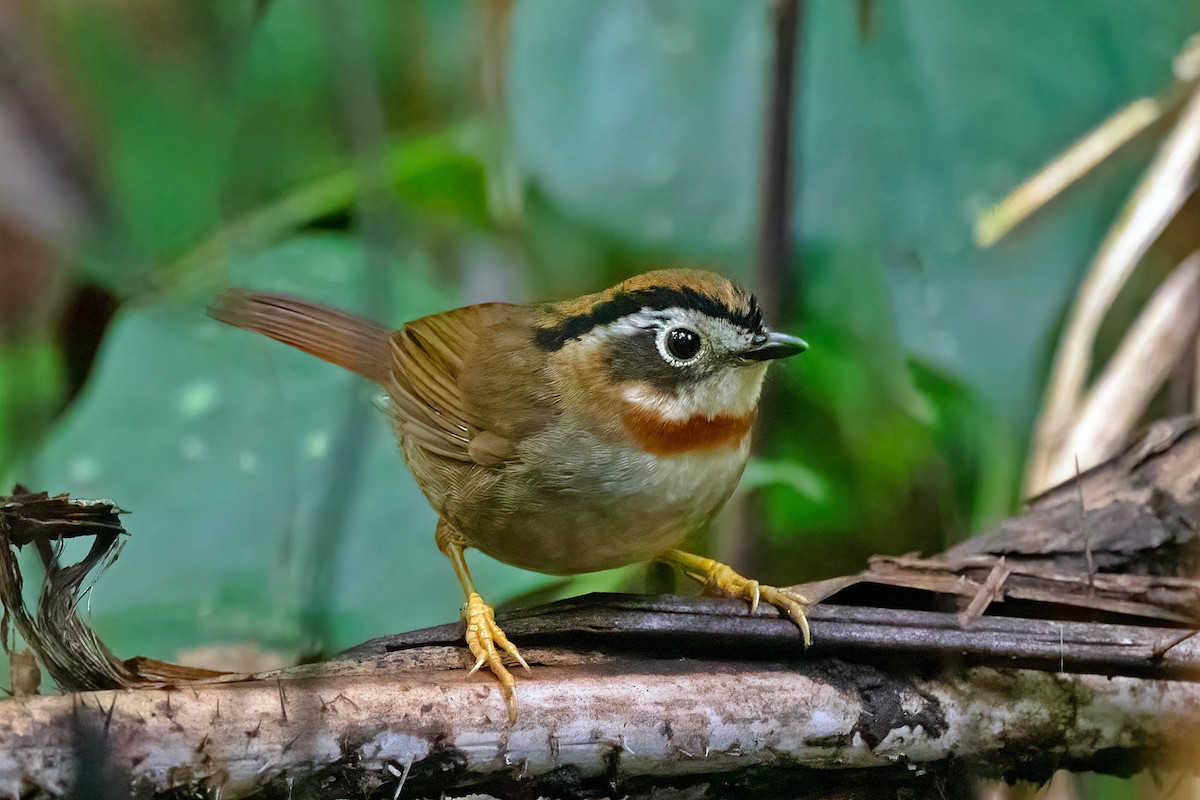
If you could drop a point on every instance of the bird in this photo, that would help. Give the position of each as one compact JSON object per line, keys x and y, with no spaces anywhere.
{"x":563,"y":437}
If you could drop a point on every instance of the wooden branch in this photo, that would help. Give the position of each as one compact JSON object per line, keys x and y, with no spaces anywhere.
{"x":593,"y":724}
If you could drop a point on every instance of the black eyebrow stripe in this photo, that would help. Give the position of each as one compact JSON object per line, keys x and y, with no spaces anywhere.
{"x":656,"y":299}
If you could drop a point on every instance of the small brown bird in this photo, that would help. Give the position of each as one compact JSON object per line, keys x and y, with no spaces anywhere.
{"x":563,"y":437}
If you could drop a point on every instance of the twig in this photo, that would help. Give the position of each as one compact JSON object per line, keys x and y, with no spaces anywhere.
{"x":776,"y":169}
{"x":736,"y":541}
{"x":1083,"y":156}
{"x":991,"y":590}
{"x":705,"y":628}
{"x":1088,"y":152}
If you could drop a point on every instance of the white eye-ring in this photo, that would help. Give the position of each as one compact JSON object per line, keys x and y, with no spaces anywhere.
{"x":680,"y":346}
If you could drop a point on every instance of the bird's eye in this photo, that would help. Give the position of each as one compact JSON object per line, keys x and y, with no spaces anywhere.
{"x":683,"y":344}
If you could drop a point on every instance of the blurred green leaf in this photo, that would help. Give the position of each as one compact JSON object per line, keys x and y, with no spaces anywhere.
{"x":224,"y":446}
{"x":847,"y":410}
{"x":438,"y":175}
{"x":643,"y":118}
{"x":433,"y":177}
{"x":31,"y":387}
{"x":163,"y":136}
{"x":981,"y":455}
{"x":805,"y":482}
{"x":294,"y":122}
{"x":204,"y":115}
{"x":906,"y":137}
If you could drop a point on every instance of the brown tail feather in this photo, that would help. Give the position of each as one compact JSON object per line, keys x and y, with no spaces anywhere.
{"x":355,"y":344}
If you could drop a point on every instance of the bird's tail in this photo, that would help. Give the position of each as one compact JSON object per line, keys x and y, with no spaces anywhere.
{"x":356,"y":344}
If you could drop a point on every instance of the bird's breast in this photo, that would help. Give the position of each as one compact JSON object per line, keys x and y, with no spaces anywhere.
{"x":579,"y":502}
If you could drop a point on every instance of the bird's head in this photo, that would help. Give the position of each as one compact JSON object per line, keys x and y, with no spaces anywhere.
{"x":682,"y":352}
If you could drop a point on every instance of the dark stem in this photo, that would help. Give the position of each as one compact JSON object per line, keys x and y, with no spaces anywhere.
{"x":737,"y":545}
{"x":705,"y":627}
{"x":777,"y":202}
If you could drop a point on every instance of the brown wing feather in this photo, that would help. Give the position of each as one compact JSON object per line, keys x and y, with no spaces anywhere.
{"x":477,"y":415}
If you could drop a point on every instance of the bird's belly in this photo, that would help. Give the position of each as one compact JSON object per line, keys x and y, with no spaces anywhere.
{"x":599,"y":509}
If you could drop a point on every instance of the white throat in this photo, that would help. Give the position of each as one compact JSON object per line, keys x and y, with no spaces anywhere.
{"x":733,"y":392}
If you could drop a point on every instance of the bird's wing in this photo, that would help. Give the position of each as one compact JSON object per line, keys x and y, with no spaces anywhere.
{"x":448,"y":371}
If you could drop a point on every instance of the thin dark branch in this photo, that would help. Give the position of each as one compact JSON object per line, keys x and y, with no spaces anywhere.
{"x":737,"y":545}
{"x":711,"y":628}
{"x":776,"y":175}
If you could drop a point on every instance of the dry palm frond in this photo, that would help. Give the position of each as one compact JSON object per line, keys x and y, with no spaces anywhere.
{"x":1081,"y":425}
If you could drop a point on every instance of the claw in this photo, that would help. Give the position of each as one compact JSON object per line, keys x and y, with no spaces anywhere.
{"x":752,"y":587}
{"x":483,"y":634}
{"x":501,"y":639}
{"x":791,"y":603}
{"x":721,"y":579}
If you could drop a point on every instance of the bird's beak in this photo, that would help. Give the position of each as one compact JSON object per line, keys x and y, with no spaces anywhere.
{"x":775,"y":345}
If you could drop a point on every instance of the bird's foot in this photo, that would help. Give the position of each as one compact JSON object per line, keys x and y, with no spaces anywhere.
{"x":488,"y":644}
{"x":721,"y":579}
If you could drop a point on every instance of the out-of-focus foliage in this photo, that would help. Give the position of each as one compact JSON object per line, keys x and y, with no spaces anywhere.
{"x":645,"y":127}
{"x":28,"y":393}
{"x":234,"y":143}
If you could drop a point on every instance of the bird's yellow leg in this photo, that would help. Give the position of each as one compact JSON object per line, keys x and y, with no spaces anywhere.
{"x":485,"y":639}
{"x":721,"y":579}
